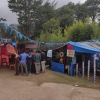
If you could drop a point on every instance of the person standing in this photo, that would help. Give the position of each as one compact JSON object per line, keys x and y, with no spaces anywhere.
{"x":33,"y":52}
{"x":29,"y":61}
{"x":43,"y":60}
{"x":23,"y":56}
{"x":37,"y":59}
{"x":69,"y":65}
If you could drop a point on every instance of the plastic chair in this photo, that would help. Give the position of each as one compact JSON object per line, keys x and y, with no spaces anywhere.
{"x":12,"y":64}
{"x":3,"y":61}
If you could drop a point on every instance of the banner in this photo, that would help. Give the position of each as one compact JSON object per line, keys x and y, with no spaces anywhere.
{"x":11,"y":49}
{"x":70,"y":53}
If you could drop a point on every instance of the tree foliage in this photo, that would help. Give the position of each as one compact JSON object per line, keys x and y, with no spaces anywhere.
{"x":44,"y":14}
{"x":52,"y":32}
{"x":96,"y":30}
{"x":26,"y":15}
{"x":31,"y":15}
{"x":67,"y":9}
{"x":66,"y":20}
{"x":41,"y":21}
{"x":80,"y":12}
{"x":93,"y":8}
{"x":80,"y":31}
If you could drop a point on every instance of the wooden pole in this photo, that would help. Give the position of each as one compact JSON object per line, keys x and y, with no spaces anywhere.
{"x":77,"y":70}
{"x":88,"y":73}
{"x":83,"y":69}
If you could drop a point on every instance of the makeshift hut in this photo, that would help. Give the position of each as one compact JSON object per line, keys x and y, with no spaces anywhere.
{"x":80,"y":52}
{"x":59,"y":59}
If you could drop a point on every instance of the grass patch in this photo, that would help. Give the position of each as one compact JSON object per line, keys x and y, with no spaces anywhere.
{"x":71,"y":80}
{"x":52,"y":77}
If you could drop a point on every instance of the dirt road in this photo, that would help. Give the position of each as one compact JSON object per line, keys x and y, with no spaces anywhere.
{"x":24,"y":90}
{"x":11,"y":89}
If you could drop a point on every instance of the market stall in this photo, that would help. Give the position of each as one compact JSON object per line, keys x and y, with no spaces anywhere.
{"x":59,"y":59}
{"x":84,"y":54}
{"x":26,"y":46}
{"x":6,"y":57}
{"x":74,"y":54}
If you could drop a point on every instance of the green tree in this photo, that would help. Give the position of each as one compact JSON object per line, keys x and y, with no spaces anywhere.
{"x":79,"y":31}
{"x":96,"y":30}
{"x":52,"y":32}
{"x":66,"y":20}
{"x":46,"y":12}
{"x":31,"y":15}
{"x":93,"y":8}
{"x":66,"y":9}
{"x":80,"y":12}
{"x":26,"y":15}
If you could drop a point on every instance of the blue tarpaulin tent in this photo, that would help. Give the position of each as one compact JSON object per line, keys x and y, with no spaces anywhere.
{"x":82,"y":48}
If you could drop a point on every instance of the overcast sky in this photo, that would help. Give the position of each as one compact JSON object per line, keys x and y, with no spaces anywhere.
{"x":12,"y":17}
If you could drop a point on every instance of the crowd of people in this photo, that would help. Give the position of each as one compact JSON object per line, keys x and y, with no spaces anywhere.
{"x":26,"y":60}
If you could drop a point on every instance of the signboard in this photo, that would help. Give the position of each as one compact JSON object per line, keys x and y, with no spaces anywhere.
{"x":4,"y":41}
{"x":70,"y":53}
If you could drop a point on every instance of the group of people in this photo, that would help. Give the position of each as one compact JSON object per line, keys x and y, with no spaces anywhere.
{"x":38,"y":58}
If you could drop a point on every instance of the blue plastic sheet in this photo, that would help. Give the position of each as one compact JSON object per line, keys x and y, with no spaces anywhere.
{"x":57,"y":67}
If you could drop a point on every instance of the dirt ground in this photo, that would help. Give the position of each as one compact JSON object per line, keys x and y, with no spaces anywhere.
{"x":26,"y":88}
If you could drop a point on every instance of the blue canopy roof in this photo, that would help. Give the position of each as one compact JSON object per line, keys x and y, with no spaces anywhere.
{"x":84,"y":49}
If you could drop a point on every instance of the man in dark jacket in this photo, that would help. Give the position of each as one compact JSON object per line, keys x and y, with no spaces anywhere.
{"x":29,"y":61}
{"x":43,"y":60}
{"x":37,"y":59}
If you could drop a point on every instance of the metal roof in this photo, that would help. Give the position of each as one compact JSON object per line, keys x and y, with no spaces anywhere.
{"x":95,"y":45}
